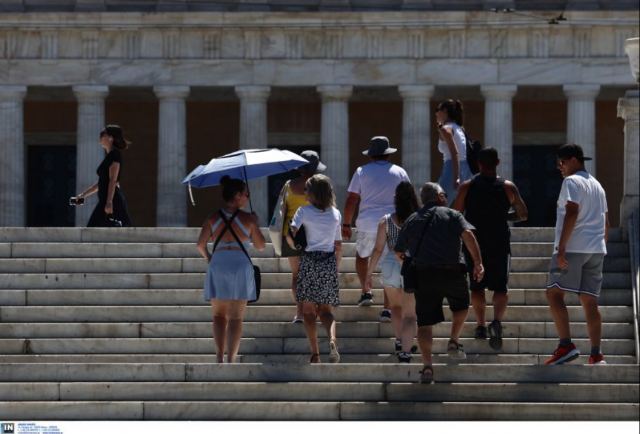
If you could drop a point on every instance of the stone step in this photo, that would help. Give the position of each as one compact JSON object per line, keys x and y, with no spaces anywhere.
{"x":539,"y":249}
{"x":268,"y":297}
{"x":196,"y":265}
{"x":188,"y":250}
{"x":184,"y":235}
{"x":341,"y":372}
{"x":195,"y":280}
{"x":489,"y":411}
{"x":260,"y":313}
{"x":319,"y":391}
{"x":297,"y":359}
{"x":281,"y":329}
{"x":279,"y":345}
{"x":297,"y":411}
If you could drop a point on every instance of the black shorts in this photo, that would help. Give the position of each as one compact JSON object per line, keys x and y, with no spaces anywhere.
{"x":496,"y":273}
{"x":434,"y":285}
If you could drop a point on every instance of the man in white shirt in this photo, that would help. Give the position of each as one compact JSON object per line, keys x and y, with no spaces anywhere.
{"x":371,"y":192}
{"x":580,"y":246}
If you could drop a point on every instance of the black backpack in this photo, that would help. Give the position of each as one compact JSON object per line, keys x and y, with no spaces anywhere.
{"x":473,"y":149}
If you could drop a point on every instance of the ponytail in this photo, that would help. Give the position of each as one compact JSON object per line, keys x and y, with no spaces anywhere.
{"x":454,"y":109}
{"x":115,"y":131}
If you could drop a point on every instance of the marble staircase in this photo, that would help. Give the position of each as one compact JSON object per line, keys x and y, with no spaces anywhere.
{"x":105,"y":324}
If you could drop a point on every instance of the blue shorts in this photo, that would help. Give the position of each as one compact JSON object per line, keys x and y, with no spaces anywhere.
{"x":390,"y":271}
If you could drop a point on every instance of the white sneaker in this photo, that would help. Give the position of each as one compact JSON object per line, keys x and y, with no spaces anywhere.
{"x":334,"y":356}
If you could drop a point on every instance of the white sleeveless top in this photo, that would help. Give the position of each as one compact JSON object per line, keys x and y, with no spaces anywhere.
{"x":458,"y":138}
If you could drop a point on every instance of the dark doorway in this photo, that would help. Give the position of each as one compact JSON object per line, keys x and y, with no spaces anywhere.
{"x":539,"y":181}
{"x":276,"y":182}
{"x":51,"y":180}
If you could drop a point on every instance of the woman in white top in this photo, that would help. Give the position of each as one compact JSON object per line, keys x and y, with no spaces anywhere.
{"x":403,"y":304}
{"x":452,"y":144}
{"x":317,"y":285}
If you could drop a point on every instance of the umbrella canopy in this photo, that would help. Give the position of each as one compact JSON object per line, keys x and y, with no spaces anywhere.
{"x":246,"y":164}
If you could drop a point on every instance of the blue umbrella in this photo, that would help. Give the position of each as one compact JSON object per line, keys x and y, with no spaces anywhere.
{"x":245,"y":164}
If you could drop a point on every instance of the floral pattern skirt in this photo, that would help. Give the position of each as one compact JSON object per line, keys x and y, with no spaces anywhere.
{"x":318,"y":279}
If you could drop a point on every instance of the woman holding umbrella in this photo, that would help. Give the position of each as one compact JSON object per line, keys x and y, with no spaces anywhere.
{"x":230,"y":279}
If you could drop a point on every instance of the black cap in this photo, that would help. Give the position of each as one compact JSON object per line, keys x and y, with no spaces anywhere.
{"x":379,"y":145}
{"x":314,"y":164}
{"x":565,"y":152}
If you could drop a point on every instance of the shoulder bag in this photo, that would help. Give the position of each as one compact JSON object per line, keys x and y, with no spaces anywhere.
{"x":409,"y":270}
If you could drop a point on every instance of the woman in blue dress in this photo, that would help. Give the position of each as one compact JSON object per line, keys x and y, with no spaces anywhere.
{"x":230,"y":280}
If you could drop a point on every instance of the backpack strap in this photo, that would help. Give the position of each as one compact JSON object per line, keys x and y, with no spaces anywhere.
{"x":424,"y":230}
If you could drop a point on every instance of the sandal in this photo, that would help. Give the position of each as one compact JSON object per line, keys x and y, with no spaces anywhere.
{"x":426,"y":375}
{"x":315,"y":358}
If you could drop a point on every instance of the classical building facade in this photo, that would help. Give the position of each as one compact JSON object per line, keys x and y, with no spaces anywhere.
{"x":188,"y":84}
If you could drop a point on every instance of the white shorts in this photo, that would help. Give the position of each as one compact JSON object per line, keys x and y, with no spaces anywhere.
{"x":365,"y":243}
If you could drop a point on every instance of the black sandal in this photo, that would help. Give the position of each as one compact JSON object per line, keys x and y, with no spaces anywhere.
{"x":426,"y":375}
{"x":315,"y":358}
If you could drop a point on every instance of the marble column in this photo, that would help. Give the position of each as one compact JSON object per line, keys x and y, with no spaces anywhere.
{"x":581,"y":119}
{"x":334,"y":137}
{"x":171,"y":202}
{"x":628,"y":109}
{"x":89,"y":154}
{"x":498,"y":124}
{"x":253,"y":135}
{"x":416,"y":132}
{"x":13,"y":183}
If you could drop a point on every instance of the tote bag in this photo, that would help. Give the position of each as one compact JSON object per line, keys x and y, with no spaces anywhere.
{"x":277,"y":221}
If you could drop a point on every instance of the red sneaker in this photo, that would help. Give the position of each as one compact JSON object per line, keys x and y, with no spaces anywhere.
{"x":563,"y":354}
{"x":597,"y":360}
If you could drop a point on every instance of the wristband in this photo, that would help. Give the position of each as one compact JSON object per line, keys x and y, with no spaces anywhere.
{"x":346,"y":225}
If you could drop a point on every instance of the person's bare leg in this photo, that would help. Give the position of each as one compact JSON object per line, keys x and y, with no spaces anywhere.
{"x":594,"y":320}
{"x":425,"y":341}
{"x":309,"y":315}
{"x":328,"y":320}
{"x":479,"y":303}
{"x":362,"y":266}
{"x":294,"y":263}
{"x":395,"y":302}
{"x":386,"y":303}
{"x":409,"y":321}
{"x":457,"y":323}
{"x":559,"y":312}
{"x":234,"y":332}
{"x":219,"y":309}
{"x":500,"y":300}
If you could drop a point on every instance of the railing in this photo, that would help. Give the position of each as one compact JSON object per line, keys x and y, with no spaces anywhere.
{"x":634,"y":256}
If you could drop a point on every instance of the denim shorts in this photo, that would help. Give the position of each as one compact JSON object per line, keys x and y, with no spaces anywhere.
{"x":390,"y":271}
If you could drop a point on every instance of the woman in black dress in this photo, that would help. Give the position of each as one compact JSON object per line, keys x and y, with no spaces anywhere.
{"x":111,"y":209}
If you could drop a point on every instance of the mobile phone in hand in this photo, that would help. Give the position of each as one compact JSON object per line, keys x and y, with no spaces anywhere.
{"x":76,"y":201}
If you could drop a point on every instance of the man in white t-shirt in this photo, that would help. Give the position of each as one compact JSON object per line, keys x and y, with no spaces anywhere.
{"x":579,"y":248}
{"x":371,"y":192}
